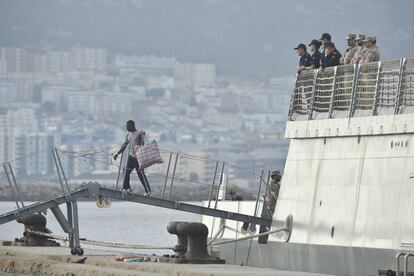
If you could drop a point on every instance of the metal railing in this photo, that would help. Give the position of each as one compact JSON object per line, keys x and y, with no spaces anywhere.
{"x":378,"y":88}
{"x":168,"y":180}
{"x":406,"y":256}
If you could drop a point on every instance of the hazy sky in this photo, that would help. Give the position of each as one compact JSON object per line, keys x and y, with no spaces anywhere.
{"x":243,"y":37}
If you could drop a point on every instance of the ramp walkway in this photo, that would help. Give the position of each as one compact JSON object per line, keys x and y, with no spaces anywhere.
{"x":93,"y":190}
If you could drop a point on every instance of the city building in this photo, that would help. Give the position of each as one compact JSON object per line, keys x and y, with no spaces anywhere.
{"x":7,"y":92}
{"x":190,"y":75}
{"x":75,"y":59}
{"x":16,"y":59}
{"x":3,"y":68}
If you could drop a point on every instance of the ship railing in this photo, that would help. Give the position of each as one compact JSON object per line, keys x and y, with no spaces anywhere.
{"x":378,"y":88}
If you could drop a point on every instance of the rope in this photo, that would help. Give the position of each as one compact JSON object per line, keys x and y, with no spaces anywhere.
{"x":100,"y":243}
{"x":143,"y":246}
{"x":23,"y":157}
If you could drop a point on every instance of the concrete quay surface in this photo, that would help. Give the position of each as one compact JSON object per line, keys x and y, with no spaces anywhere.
{"x":22,"y":260}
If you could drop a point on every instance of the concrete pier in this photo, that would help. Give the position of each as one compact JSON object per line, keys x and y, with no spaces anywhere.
{"x":22,"y":260}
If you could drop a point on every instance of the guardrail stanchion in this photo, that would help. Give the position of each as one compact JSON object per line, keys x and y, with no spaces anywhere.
{"x":119,"y":171}
{"x":166,"y":176}
{"x":58,"y":171}
{"x":11,"y":186}
{"x":19,"y":194}
{"x":61,"y":168}
{"x":212,"y":184}
{"x":220,"y":183}
{"x":173,"y":176}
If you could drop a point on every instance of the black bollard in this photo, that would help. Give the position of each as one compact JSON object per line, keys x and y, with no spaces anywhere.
{"x":181,"y":248}
{"x":37,"y":223}
{"x":191,"y":244}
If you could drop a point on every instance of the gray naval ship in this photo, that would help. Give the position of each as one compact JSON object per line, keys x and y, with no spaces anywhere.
{"x":348,"y":182}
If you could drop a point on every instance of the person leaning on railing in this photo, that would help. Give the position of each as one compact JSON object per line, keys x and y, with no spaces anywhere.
{"x":332,"y":56}
{"x":316,"y":54}
{"x":305,"y":58}
{"x":371,"y":53}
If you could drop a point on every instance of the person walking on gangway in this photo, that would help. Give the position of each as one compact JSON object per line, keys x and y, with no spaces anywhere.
{"x":133,"y":138}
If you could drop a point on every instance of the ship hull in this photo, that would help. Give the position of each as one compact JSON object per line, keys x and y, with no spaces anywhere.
{"x":336,"y":260}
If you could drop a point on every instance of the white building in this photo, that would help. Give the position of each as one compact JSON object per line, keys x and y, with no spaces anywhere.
{"x":41,"y":163}
{"x":7,"y":92}
{"x":57,"y":95}
{"x":145,"y":62}
{"x":82,"y":102}
{"x":3,"y":68}
{"x":88,"y":59}
{"x":16,"y":59}
{"x":195,"y":74}
{"x":75,"y":59}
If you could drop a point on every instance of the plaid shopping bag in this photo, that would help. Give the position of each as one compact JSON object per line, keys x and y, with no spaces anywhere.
{"x":148,"y":155}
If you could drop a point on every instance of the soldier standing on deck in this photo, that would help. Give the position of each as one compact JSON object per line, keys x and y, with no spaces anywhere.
{"x":324,"y":39}
{"x":331,"y":57}
{"x":305,"y":57}
{"x":360,"y":49}
{"x":350,"y":52}
{"x":372,"y":53}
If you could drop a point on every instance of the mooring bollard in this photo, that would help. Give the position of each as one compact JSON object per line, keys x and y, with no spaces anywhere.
{"x":196,"y":240}
{"x":37,"y":223}
{"x":181,"y":248}
{"x":191,"y":244}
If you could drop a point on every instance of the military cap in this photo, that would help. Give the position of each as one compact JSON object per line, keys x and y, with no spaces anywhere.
{"x":329,"y":45}
{"x":315,"y":42}
{"x":360,"y":37}
{"x":351,"y":36}
{"x":303,"y":46}
{"x":325,"y":36}
{"x":370,"y":38}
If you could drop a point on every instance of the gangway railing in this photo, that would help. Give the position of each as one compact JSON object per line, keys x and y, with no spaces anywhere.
{"x":69,"y":195}
{"x":378,"y":88}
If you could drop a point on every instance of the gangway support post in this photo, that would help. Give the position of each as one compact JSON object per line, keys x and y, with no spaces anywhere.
{"x":11,"y":187}
{"x":70,"y":225}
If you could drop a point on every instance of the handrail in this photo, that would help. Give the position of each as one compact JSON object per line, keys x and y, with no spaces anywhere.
{"x":381,"y":85}
{"x":168,"y":177}
{"x":397,"y":258}
{"x":406,"y":257}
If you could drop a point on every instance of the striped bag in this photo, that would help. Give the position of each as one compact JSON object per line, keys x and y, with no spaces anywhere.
{"x":148,"y":155}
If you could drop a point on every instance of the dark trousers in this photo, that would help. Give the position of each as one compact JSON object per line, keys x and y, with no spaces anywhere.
{"x":132,"y":164}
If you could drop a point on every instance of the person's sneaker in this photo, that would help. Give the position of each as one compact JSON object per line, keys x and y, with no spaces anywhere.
{"x":147,"y":194}
{"x":125,"y":192}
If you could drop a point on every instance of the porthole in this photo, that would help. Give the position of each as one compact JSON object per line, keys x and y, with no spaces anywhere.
{"x":392,"y":144}
{"x":332,"y":232}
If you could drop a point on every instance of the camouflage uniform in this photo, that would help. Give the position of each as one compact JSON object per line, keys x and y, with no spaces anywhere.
{"x":359,"y":53}
{"x":370,"y":55}
{"x":350,"y":52}
{"x":349,"y":55}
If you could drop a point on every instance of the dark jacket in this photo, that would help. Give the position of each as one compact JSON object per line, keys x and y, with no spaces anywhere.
{"x":331,"y":60}
{"x":305,"y":60}
{"x":316,"y":59}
